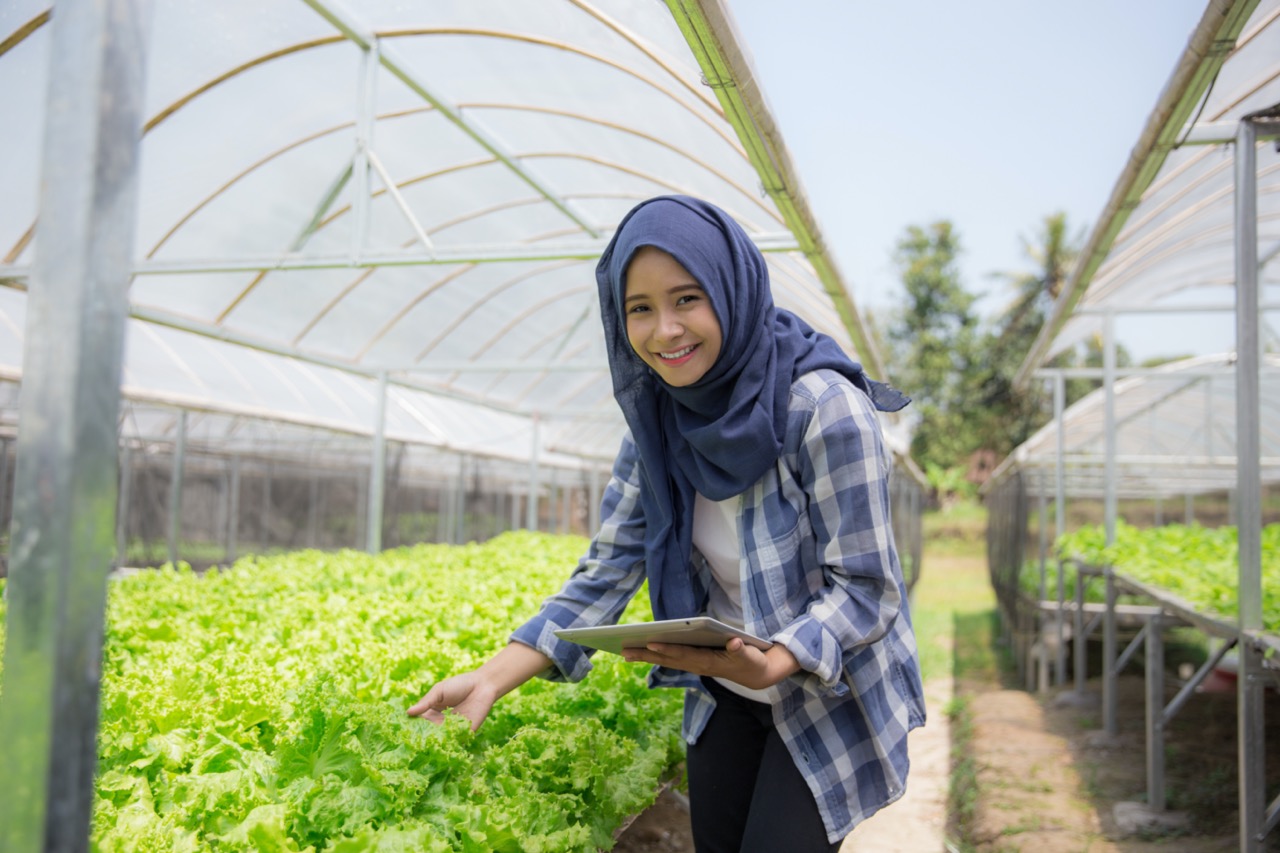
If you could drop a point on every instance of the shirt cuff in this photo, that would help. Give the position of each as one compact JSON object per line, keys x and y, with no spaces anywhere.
{"x":571,"y":662}
{"x":819,"y":654}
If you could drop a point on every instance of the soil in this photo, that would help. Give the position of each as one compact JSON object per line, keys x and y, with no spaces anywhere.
{"x":1046,"y":778}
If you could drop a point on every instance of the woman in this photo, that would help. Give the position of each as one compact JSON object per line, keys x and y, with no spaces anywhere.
{"x":752,"y":487}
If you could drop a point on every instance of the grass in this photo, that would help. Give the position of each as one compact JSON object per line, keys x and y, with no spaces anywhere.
{"x":956,"y":622}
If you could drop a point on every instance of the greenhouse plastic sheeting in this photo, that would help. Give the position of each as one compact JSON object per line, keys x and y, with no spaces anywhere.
{"x":1175,"y":435}
{"x":332,"y":192}
{"x":1166,"y":237}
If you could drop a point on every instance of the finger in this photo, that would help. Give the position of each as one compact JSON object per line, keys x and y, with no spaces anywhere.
{"x":430,"y":702}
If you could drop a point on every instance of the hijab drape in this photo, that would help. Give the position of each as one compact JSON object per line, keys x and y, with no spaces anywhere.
{"x":720,"y":434}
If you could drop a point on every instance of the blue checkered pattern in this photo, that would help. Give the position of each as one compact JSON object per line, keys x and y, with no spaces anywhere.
{"x":820,"y":575}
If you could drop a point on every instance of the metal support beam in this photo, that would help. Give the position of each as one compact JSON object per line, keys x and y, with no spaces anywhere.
{"x":535,"y":449}
{"x":1060,"y":515}
{"x":378,"y":470}
{"x":63,"y":527}
{"x":176,"y":479}
{"x":1251,"y":732}
{"x":1155,"y":712}
{"x":1109,"y":672}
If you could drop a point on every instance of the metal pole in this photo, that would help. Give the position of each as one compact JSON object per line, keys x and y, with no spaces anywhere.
{"x":1251,"y":723}
{"x":1155,"y":713}
{"x":122,"y":507}
{"x":313,"y":509}
{"x":531,"y":507}
{"x":233,"y":510}
{"x":593,"y":501}
{"x":1109,"y":616}
{"x":378,"y":469}
{"x":63,"y":525}
{"x":1060,"y":514}
{"x":4,"y":481}
{"x":460,"y":502}
{"x":176,"y":476}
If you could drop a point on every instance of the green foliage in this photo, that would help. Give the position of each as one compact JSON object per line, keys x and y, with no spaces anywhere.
{"x":1197,"y":564}
{"x":263,"y":708}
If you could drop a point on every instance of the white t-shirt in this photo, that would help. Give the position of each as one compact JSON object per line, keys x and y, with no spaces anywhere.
{"x":715,"y":535}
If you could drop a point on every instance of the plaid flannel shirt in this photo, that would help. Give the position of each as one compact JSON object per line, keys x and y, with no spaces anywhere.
{"x":820,"y":575}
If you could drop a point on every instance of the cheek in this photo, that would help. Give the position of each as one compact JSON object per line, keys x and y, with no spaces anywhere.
{"x":636,"y":336}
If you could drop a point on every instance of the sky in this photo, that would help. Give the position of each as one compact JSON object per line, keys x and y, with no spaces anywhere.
{"x":990,"y":113}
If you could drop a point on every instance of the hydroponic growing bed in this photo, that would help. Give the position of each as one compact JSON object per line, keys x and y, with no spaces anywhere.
{"x":1197,"y":565}
{"x":263,"y":708}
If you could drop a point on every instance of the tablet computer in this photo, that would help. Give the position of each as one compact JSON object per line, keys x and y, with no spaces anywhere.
{"x":696,"y":631}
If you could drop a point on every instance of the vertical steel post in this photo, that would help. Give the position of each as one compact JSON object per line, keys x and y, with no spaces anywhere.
{"x":1109,"y":673}
{"x":531,"y":507}
{"x":460,"y":502}
{"x":313,"y":509}
{"x":233,"y":510}
{"x":593,"y":501}
{"x":1248,"y":504}
{"x":378,"y":469}
{"x":1060,"y":513}
{"x":4,"y":480}
{"x":62,"y":534}
{"x":176,"y":482}
{"x":122,"y":506}
{"x":1155,"y":713}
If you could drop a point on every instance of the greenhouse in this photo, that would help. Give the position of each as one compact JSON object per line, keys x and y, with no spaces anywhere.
{"x":1192,"y":228}
{"x":346,"y":283}
{"x":298,"y":297}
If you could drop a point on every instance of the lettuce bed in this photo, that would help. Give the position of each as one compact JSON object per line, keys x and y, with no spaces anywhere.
{"x":1197,"y":564}
{"x":263,"y":708}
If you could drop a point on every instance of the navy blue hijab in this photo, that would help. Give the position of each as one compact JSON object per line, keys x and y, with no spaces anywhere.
{"x":720,"y":434}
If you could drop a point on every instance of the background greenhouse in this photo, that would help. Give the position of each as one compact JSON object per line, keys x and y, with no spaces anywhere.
{"x":322,"y":301}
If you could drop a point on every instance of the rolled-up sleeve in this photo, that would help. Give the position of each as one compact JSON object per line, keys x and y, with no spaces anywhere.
{"x":843,"y":467}
{"x":605,"y":580}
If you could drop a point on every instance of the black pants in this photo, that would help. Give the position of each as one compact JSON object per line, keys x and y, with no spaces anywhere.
{"x":745,"y":793}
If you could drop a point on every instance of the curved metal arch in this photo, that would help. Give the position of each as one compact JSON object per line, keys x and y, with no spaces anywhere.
{"x":522,"y":317}
{"x":570,"y":392}
{"x":475,"y":214}
{"x":19,"y":35}
{"x":343,"y":210}
{"x":1143,"y":247}
{"x":488,"y":297}
{"x":622,"y":128}
{"x":183,"y":101}
{"x":528,"y":354}
{"x":1201,"y":237}
{"x":263,"y":161}
{"x":400,"y":315}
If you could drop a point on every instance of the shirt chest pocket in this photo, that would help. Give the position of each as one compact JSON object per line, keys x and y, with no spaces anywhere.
{"x":780,"y":545}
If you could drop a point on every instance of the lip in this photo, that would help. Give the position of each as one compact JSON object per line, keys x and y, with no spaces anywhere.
{"x":676,"y":362}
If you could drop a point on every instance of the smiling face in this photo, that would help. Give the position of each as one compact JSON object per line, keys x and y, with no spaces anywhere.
{"x":670,"y":321}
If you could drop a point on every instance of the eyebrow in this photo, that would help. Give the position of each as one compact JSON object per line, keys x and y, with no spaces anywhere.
{"x":679,"y":288}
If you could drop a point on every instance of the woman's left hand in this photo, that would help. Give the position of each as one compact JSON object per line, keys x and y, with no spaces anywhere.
{"x":737,"y":661}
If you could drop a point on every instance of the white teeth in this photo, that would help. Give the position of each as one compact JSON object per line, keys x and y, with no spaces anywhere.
{"x":671,"y":356}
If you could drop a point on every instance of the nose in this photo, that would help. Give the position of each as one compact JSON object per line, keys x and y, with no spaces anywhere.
{"x":669,"y":326}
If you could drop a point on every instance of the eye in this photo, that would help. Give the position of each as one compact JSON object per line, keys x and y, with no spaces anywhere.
{"x":687,"y":298}
{"x":637,"y":309}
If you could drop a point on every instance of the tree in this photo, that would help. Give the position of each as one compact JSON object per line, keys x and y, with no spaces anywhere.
{"x":932,"y":339}
{"x":1008,"y":415}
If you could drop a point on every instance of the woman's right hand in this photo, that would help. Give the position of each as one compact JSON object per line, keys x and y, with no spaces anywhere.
{"x":472,"y":694}
{"x":467,"y":694}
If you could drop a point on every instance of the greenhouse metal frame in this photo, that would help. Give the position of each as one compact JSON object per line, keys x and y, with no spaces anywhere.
{"x":1184,"y":224}
{"x":307,"y":238}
